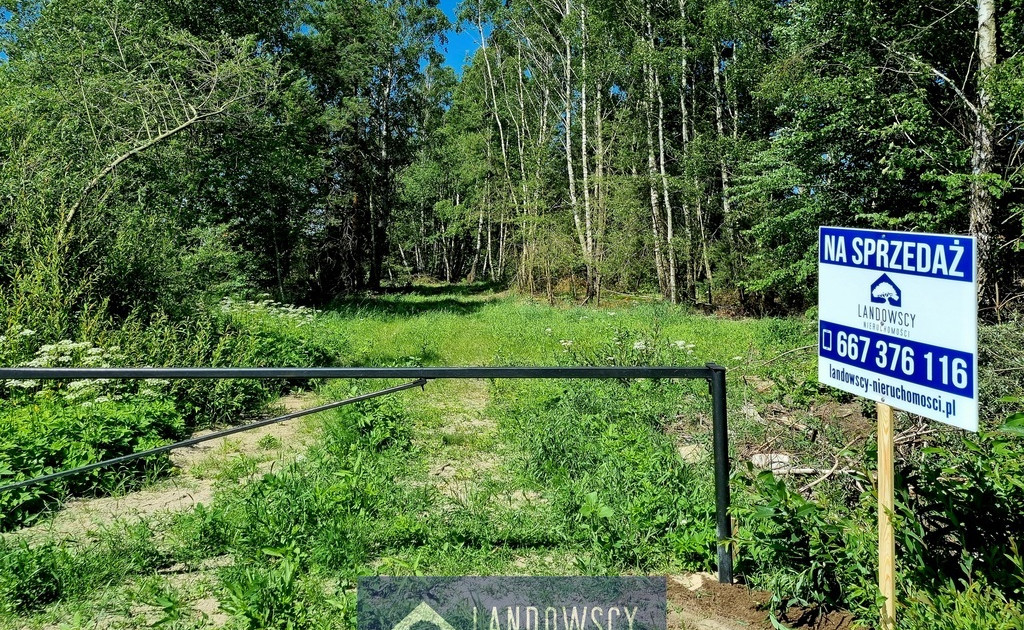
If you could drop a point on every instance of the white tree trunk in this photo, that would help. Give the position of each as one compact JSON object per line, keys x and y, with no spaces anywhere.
{"x":669,"y":229}
{"x":652,"y":166}
{"x":982,"y":150}
{"x":588,"y":231}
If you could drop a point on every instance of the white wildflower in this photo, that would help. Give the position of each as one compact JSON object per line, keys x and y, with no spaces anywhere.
{"x":22,"y":384}
{"x":565,"y":342}
{"x":639,"y":345}
{"x":28,"y":332}
{"x":679,"y":344}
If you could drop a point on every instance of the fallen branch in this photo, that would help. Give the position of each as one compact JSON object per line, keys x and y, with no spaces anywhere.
{"x":775,"y":358}
{"x":813,"y":471}
{"x":834,"y":469}
{"x":912,"y":436}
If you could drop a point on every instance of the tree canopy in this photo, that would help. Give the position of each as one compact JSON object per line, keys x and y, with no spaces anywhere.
{"x":155,"y":153}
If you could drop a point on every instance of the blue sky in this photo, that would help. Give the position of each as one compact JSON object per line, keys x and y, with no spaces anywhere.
{"x":4,"y":16}
{"x":459,"y":44}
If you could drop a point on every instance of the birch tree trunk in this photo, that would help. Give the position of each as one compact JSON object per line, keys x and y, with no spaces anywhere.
{"x":479,"y":244}
{"x":652,"y":166}
{"x":492,"y":93}
{"x":727,"y":217}
{"x":588,"y":233}
{"x":691,"y":262}
{"x":982,"y":150}
{"x":673,"y":296}
{"x":569,"y":166}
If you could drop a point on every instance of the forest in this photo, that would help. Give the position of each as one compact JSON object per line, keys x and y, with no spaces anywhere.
{"x":251,"y":183}
{"x":152,"y":152}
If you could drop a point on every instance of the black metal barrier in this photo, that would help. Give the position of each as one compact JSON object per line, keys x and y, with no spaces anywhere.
{"x":712,"y":373}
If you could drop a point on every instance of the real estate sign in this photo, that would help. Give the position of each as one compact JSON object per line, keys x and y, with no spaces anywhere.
{"x":898,"y":320}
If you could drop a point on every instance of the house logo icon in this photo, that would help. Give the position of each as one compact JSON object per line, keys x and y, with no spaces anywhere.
{"x":424,"y":613}
{"x":885,"y":290}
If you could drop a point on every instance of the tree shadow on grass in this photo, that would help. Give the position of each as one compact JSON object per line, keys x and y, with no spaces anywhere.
{"x":463,"y":289}
{"x":418,"y":300}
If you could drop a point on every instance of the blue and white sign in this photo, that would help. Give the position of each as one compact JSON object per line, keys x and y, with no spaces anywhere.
{"x":898,"y":320}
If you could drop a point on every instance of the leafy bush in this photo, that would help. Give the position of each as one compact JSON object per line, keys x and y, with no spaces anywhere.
{"x":966,"y":513}
{"x":47,"y":436}
{"x":958,"y":512}
{"x":235,"y":334}
{"x":383,"y":425}
{"x":47,"y":426}
{"x":805,"y":551}
{"x":976,"y":604}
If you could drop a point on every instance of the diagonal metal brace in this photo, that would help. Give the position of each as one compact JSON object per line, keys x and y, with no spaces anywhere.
{"x":420,"y":382}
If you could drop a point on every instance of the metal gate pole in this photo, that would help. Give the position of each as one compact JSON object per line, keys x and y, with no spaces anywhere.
{"x":721,"y":451}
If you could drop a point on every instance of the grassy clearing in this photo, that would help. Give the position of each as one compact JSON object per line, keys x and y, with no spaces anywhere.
{"x":505,"y":477}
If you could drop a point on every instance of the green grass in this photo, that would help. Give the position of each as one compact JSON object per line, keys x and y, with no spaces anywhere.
{"x":499,"y":477}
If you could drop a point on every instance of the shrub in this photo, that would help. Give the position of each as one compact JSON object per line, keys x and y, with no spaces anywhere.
{"x":49,"y":435}
{"x":46,"y":426}
{"x":966,"y":514}
{"x":805,"y":551}
{"x":235,"y":334}
{"x":976,"y":605}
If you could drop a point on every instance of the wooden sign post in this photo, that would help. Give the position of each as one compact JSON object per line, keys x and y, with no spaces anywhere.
{"x":886,"y":503}
{"x":898,"y":324}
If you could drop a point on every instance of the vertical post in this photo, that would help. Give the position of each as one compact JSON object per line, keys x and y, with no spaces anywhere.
{"x":886,"y":503}
{"x":721,"y":452}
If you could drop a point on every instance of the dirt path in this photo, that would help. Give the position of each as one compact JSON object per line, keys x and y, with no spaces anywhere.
{"x":467,"y":460}
{"x":464,"y":459}
{"x":458,"y":437}
{"x":697,"y":601}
